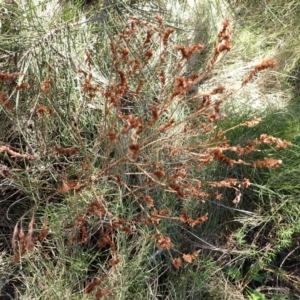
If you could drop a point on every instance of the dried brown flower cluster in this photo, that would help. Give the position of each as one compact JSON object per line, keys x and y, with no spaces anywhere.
{"x":22,"y":243}
{"x":265,"y":64}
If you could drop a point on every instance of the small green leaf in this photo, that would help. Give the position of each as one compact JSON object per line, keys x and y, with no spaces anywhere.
{"x":255,"y":295}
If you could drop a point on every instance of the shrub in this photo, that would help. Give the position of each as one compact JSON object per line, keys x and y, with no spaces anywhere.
{"x":125,"y":145}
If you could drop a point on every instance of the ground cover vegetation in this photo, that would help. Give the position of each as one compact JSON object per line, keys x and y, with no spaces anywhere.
{"x":149,"y":150}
